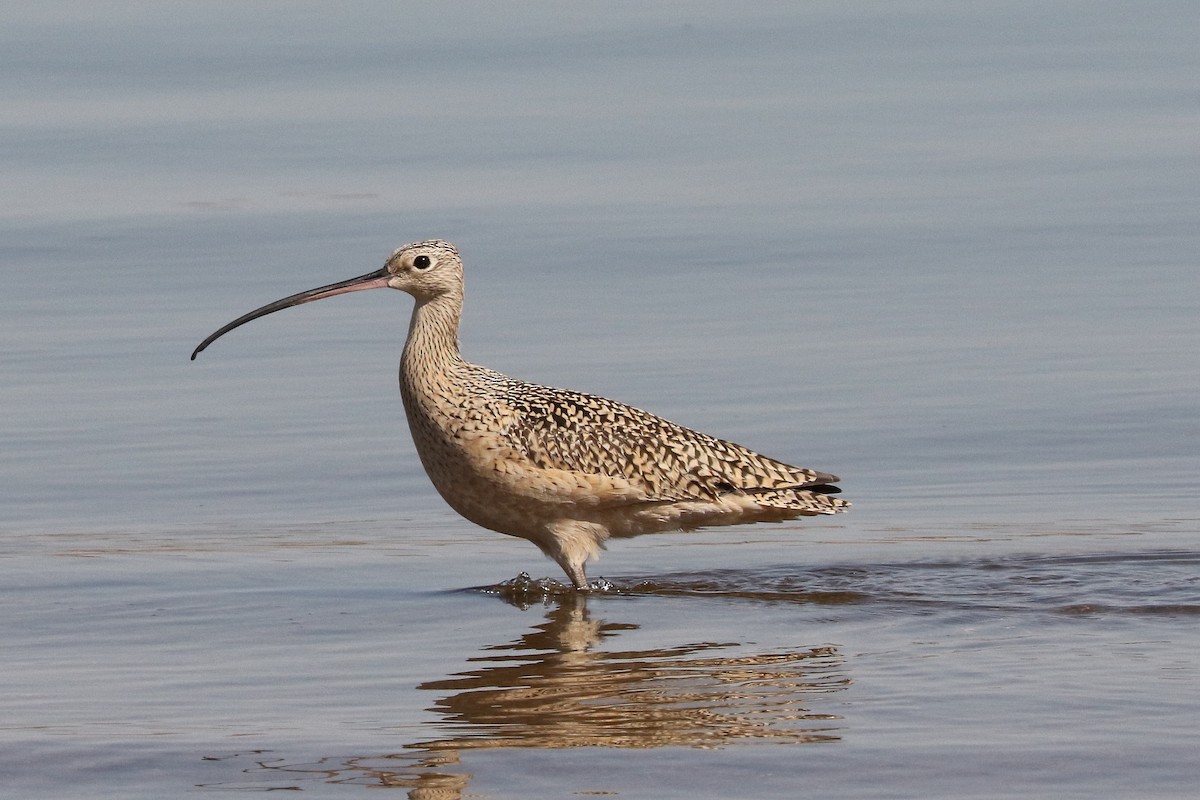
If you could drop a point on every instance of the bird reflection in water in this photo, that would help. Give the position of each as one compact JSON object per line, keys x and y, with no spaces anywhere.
{"x":562,"y":684}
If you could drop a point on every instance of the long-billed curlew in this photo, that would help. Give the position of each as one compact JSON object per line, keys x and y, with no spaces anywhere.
{"x":565,"y":470}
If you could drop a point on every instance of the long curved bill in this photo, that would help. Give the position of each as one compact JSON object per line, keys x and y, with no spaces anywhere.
{"x":372,"y":280}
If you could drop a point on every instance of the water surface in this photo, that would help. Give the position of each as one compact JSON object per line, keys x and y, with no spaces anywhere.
{"x":947,"y":253}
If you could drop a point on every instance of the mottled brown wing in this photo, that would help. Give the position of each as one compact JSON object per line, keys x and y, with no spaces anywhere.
{"x":561,"y":429}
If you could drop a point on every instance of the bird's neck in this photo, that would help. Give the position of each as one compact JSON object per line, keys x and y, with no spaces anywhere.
{"x":431,"y":357}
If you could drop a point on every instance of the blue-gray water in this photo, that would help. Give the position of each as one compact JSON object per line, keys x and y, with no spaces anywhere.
{"x":946,"y":251}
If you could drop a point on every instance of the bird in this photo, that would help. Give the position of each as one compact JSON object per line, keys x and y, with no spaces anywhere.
{"x":566,"y":470}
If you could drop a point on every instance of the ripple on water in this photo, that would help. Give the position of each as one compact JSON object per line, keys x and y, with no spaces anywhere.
{"x":577,"y":679}
{"x":1162,"y":582}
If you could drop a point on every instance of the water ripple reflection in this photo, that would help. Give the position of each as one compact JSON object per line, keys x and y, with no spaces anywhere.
{"x":555,"y":687}
{"x":564,"y":684}
{"x":568,"y":682}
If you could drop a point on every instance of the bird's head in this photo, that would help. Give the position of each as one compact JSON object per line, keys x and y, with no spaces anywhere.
{"x":426,"y":270}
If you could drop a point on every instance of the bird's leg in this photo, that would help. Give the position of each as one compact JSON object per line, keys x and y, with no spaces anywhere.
{"x":576,"y":574}
{"x":571,"y":543}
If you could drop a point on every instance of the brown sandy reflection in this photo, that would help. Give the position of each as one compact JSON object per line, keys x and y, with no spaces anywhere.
{"x":556,"y":687}
{"x":564,"y":684}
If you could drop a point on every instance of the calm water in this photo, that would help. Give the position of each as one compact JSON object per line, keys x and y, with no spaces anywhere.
{"x":948,"y":253}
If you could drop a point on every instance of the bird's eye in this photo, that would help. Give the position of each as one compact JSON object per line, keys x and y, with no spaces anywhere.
{"x":422,"y":262}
